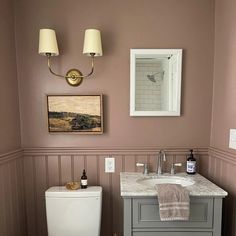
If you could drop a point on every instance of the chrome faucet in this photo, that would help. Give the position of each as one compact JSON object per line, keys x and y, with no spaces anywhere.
{"x":160,"y":158}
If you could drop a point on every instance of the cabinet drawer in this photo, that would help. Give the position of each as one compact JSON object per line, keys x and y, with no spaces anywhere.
{"x":146,"y":214}
{"x":172,"y":234}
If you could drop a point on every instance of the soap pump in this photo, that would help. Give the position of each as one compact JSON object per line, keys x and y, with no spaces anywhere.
{"x":84,"y":180}
{"x":191,"y":163}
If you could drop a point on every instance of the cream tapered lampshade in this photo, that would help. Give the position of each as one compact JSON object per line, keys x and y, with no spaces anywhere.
{"x":92,"y":42}
{"x":48,"y":42}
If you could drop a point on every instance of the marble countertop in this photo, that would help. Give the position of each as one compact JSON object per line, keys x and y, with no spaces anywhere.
{"x":130,"y":185}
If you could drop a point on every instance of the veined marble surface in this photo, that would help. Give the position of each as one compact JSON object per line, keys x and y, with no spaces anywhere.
{"x":130,"y":185}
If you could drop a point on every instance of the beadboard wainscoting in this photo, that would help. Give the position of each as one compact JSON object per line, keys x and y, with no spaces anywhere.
{"x":12,"y":202}
{"x":45,"y":167}
{"x":222,"y":172}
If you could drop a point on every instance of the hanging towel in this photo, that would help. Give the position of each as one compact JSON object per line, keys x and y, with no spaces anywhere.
{"x":173,"y":202}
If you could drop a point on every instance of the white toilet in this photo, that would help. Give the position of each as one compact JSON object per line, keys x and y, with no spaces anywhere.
{"x":74,"y":212}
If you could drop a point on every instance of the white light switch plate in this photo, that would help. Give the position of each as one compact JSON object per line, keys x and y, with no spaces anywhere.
{"x":109,"y":165}
{"x":232,"y":138}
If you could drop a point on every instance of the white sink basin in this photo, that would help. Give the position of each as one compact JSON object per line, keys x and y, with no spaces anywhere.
{"x":151,"y":181}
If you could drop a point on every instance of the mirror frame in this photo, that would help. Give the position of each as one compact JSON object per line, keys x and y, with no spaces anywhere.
{"x":139,"y":53}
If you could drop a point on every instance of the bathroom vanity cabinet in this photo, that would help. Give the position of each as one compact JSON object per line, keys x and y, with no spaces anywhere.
{"x":141,"y":210}
{"x":141,"y":218}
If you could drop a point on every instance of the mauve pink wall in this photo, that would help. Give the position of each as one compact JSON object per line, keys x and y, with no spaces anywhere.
{"x":222,"y":160}
{"x":224,"y":105}
{"x":187,"y":24}
{"x":9,"y":104}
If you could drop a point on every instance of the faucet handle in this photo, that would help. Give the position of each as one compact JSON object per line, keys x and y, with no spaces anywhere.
{"x":178,"y":164}
{"x":139,"y":164}
{"x":172,"y":170}
{"x":145,"y":167}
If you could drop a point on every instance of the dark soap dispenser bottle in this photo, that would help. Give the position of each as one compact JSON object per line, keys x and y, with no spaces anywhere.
{"x":84,"y":180}
{"x":191,"y":163}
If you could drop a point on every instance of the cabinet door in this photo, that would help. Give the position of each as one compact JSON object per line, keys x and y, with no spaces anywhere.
{"x":146,"y":214}
{"x":172,"y":234}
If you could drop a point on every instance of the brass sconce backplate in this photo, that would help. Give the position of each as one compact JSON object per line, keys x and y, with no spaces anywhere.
{"x":74,"y":77}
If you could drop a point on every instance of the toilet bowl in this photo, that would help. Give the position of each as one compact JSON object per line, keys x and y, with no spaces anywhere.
{"x":73,"y":212}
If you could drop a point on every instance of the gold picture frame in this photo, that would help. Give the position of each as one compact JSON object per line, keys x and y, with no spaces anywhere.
{"x":80,"y":114}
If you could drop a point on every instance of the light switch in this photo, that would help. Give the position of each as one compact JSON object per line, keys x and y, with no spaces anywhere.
{"x":232,"y":138}
{"x":109,"y":165}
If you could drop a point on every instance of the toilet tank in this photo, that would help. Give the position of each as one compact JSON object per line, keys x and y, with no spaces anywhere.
{"x":74,"y":212}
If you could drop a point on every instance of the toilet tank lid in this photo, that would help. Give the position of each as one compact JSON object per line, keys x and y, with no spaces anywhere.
{"x":62,"y":191}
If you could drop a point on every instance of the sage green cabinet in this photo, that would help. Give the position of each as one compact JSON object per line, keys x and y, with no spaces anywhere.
{"x":141,"y":218}
{"x":172,"y":234}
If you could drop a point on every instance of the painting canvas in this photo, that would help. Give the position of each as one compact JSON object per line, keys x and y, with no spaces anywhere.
{"x":75,"y":113}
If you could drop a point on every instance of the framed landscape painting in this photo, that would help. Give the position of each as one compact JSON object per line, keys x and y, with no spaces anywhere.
{"x":75,"y":113}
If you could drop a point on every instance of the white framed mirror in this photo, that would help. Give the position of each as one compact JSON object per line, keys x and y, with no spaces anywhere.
{"x":155,"y":82}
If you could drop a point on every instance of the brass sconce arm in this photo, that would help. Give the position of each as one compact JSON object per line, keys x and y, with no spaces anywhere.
{"x":50,"y":68}
{"x":74,"y":77}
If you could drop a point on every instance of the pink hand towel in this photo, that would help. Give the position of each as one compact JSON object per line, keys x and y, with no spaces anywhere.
{"x":173,"y":202}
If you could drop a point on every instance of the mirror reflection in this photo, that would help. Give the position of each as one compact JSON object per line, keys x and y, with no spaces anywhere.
{"x":155,"y":82}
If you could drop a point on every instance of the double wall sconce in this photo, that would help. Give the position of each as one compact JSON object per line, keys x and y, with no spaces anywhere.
{"x":92,"y":47}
